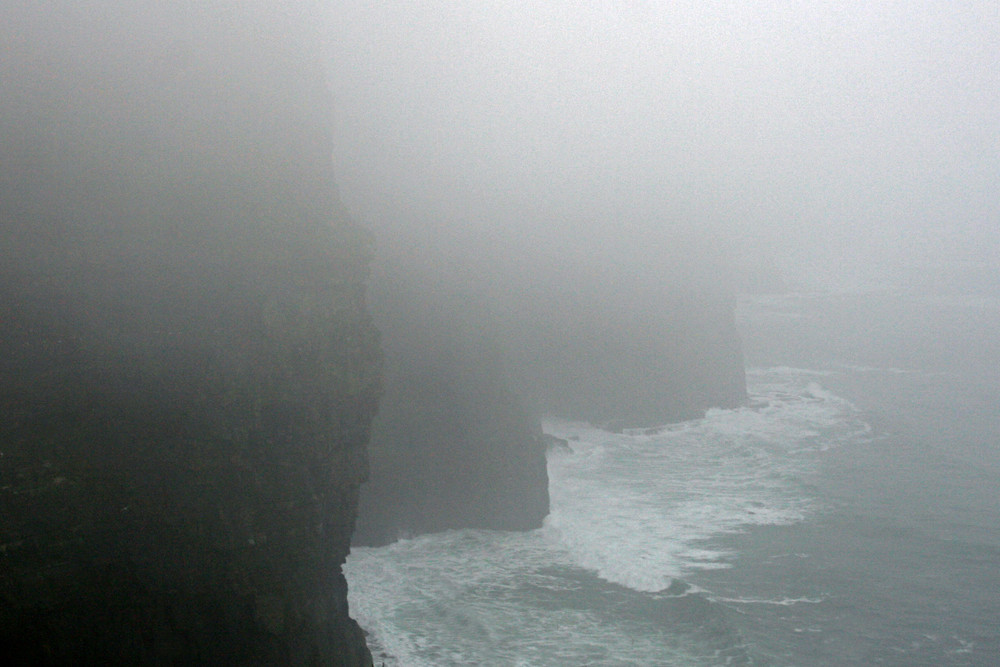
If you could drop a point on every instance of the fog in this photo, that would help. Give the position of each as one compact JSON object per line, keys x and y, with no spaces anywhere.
{"x":516,"y":229}
{"x":841,"y":142}
{"x":529,"y":161}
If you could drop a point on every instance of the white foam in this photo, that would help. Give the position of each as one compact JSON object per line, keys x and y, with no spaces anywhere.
{"x":641,"y":508}
{"x":782,"y":602}
{"x":965,"y":646}
{"x":891,"y":370}
{"x":485,"y":597}
{"x":638,"y":509}
{"x":790,"y":370}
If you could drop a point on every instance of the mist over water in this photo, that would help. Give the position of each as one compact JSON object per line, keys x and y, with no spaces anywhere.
{"x":846,"y":153}
{"x":547,"y":179}
{"x":844,"y":516}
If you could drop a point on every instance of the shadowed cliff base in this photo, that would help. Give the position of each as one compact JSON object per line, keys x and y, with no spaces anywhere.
{"x":189,"y":371}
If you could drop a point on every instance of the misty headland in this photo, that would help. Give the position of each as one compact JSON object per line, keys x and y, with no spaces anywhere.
{"x":191,"y":369}
{"x":277,"y":278}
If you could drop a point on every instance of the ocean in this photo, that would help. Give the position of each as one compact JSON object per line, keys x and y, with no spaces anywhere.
{"x":849,"y":514}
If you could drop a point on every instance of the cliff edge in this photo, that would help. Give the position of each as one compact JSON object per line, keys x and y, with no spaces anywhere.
{"x":188,"y":370}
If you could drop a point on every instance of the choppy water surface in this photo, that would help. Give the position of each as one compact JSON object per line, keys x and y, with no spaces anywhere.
{"x":845,"y":516}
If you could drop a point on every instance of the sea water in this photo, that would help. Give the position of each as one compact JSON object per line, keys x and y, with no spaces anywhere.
{"x":847,"y":515}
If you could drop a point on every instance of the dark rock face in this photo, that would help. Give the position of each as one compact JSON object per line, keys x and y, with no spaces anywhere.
{"x":188,"y":371}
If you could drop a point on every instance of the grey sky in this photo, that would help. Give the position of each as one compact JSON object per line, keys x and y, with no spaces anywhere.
{"x":806,"y":131}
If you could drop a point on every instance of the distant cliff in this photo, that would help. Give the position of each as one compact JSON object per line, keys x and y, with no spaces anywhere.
{"x":188,"y":371}
{"x":475,"y":356}
{"x":679,"y":362}
{"x":452,"y":446}
{"x":625,"y":336}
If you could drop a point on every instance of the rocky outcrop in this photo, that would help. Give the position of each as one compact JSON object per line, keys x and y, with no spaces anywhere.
{"x":188,"y":370}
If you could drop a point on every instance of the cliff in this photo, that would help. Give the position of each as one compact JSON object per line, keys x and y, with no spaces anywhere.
{"x":632,"y":367}
{"x":474,"y":354}
{"x":188,"y":370}
{"x":452,"y":446}
{"x":637,"y":334}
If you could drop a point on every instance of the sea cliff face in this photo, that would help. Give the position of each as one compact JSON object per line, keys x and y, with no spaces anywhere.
{"x":452,"y":446}
{"x":189,"y":370}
